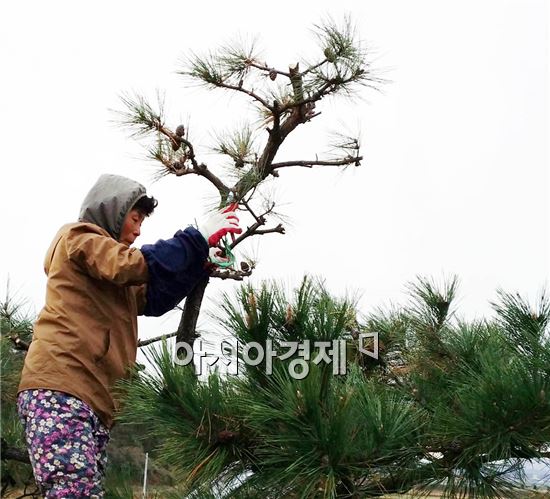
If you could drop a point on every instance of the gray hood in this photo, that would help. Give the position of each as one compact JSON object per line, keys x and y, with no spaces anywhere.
{"x":108,"y":202}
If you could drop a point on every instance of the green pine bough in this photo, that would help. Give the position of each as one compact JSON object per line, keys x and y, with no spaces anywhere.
{"x":447,"y":404}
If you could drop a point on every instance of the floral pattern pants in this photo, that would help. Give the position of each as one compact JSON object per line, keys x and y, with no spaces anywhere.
{"x":66,"y":442}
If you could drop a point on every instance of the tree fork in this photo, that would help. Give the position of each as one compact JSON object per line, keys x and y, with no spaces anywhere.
{"x":276,"y":137}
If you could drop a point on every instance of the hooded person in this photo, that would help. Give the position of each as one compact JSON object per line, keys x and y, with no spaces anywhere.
{"x":85,"y":337}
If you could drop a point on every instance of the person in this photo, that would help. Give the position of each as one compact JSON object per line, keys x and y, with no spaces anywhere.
{"x":85,"y":337}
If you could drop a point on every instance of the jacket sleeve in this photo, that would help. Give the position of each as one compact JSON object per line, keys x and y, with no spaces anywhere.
{"x":175,"y":266}
{"x":106,"y":259}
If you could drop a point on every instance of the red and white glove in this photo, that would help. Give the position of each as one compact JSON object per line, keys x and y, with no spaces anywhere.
{"x":219,"y":224}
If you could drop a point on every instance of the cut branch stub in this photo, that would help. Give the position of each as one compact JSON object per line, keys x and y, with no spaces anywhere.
{"x":143,"y":343}
{"x":297,"y":82}
{"x":19,"y":343}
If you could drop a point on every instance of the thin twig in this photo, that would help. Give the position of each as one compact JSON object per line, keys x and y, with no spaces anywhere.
{"x":247,"y":92}
{"x":250,"y":209}
{"x":268,"y":69}
{"x":314,"y":67}
{"x":250,"y":231}
{"x":142,"y":343}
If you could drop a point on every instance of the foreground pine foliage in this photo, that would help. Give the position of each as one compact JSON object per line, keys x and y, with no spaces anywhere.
{"x":448,"y":403}
{"x":15,"y":331}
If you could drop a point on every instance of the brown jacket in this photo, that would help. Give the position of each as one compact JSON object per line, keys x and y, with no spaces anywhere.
{"x":85,"y":337}
{"x":101,"y":283}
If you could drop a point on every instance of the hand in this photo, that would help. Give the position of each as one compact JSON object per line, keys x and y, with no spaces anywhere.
{"x":216,"y":253}
{"x":218,"y":225}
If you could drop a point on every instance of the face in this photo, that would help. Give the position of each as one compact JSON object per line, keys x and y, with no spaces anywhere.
{"x":131,"y":227}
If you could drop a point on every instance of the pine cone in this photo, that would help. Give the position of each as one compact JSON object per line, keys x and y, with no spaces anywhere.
{"x":245,"y":267}
{"x":329,"y":54}
{"x":272,"y":74}
{"x":180,"y":131}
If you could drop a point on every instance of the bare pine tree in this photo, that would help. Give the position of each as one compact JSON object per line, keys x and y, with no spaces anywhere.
{"x":285,"y":99}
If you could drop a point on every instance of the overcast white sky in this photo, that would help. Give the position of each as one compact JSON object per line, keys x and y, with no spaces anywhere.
{"x":455,"y":176}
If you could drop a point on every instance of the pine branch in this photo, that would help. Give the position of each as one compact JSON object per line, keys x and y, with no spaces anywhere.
{"x":14,"y":321}
{"x":140,"y":115}
{"x":247,"y":206}
{"x":177,"y":167}
{"x":251,"y":93}
{"x":143,"y":119}
{"x":211,"y":72}
{"x":203,"y":171}
{"x":176,"y":141}
{"x":253,"y":229}
{"x":314,"y":67}
{"x":238,"y":146}
{"x":143,"y":343}
{"x":525,"y":323}
{"x":235,"y":275}
{"x":310,"y":164}
{"x":267,"y":69}
{"x":279,"y":229}
{"x":250,"y":231}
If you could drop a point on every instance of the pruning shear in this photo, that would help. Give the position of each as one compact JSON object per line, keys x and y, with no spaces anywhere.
{"x":229,"y":259}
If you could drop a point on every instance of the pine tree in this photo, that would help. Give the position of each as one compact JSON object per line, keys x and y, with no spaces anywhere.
{"x":284,"y":99}
{"x":448,"y":403}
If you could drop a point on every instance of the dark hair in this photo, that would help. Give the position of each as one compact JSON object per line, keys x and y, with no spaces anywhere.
{"x":146,"y":205}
